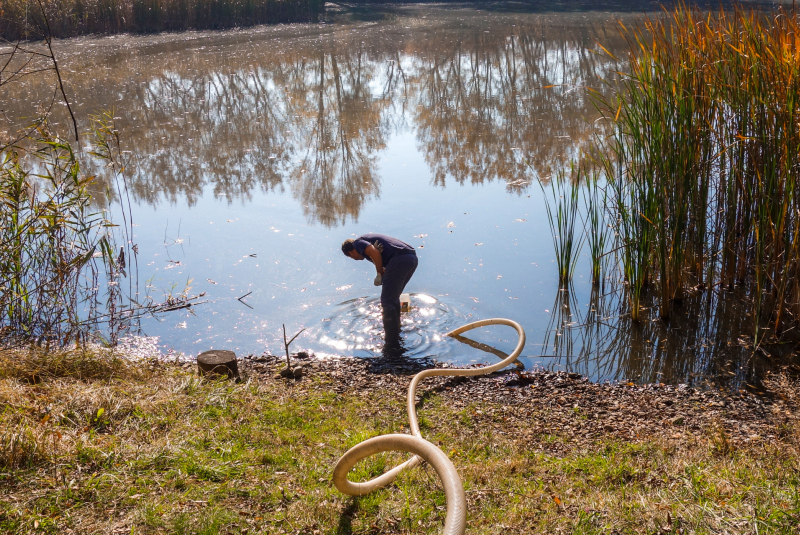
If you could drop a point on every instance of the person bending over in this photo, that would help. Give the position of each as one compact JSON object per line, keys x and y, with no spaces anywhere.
{"x":395,"y":262}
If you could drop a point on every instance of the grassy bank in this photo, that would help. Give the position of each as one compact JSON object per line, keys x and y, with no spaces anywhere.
{"x":154,"y":450}
{"x":21,"y":19}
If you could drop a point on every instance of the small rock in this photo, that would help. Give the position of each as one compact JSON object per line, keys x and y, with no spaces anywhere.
{"x":299,"y":372}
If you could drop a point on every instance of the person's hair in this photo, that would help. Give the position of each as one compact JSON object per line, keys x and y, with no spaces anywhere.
{"x":347,"y":246}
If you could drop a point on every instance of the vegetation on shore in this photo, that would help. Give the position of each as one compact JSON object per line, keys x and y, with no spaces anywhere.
{"x":703,"y":159}
{"x":22,"y":19}
{"x":48,"y":237}
{"x":58,"y":248}
{"x":140,"y":448}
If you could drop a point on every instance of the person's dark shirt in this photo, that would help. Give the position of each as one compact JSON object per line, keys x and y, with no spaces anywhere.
{"x":388,"y":247}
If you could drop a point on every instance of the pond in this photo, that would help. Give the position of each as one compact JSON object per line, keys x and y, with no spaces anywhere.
{"x":255,"y":153}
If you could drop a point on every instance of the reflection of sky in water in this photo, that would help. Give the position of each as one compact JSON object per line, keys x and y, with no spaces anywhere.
{"x":300,"y":277}
{"x":255,"y":153}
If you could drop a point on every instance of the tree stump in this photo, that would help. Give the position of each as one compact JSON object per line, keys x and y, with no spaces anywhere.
{"x":218,"y":362}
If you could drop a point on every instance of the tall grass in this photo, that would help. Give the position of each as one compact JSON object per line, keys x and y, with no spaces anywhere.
{"x":33,"y":364}
{"x":55,"y":246}
{"x":22,"y":19}
{"x":563,"y":216}
{"x":704,"y":157}
{"x":597,"y":230}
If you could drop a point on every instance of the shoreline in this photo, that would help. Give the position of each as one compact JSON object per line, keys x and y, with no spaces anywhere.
{"x":584,"y":409}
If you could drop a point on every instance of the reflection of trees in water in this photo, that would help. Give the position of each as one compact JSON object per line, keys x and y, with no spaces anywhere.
{"x":701,"y":341}
{"x":220,"y":129}
{"x":341,"y":136}
{"x":314,"y":122}
{"x":237,"y":115}
{"x":492,"y":103}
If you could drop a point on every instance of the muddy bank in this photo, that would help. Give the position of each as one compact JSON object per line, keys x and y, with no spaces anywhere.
{"x":540,"y":405}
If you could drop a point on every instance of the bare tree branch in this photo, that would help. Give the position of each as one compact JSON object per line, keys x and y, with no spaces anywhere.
{"x":48,"y":38}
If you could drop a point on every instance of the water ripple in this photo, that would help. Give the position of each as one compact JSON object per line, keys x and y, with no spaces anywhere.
{"x":355,"y":326}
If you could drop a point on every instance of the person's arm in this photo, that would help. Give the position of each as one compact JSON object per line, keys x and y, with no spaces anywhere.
{"x":375,"y":256}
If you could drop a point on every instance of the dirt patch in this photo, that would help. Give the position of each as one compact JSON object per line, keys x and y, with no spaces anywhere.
{"x":541,"y":403}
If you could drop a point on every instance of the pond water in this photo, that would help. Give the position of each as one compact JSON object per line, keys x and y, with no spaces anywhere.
{"x":255,"y":153}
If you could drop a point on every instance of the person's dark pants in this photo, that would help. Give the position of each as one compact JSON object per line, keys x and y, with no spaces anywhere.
{"x":395,"y":277}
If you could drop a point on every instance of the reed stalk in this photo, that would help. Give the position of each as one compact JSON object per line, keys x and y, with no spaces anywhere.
{"x":596,"y":228}
{"x":55,"y":246}
{"x":563,"y":209}
{"x":702,"y":164}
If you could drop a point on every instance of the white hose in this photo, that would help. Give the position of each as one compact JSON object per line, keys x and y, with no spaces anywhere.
{"x":456,"y":519}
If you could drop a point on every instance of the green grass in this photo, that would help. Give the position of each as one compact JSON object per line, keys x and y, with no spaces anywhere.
{"x":172,"y":454}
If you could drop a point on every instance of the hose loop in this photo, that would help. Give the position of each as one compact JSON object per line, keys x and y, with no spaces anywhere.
{"x":456,"y":519}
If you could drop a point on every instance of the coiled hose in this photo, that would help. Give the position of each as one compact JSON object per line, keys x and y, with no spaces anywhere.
{"x":456,"y":519}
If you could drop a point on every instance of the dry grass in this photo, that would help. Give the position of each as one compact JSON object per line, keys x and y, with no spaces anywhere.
{"x":163,"y":452}
{"x":76,"y":387}
{"x":35,"y":364}
{"x":21,"y":19}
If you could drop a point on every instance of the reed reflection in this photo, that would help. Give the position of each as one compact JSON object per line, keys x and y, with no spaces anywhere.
{"x":699,"y":345}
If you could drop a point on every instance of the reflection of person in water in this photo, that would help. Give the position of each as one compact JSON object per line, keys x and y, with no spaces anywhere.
{"x":395,"y":263}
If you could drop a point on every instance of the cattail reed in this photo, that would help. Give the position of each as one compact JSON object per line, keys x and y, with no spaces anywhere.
{"x":563,"y":215}
{"x":597,"y":233}
{"x":54,"y":245}
{"x":703,"y":161}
